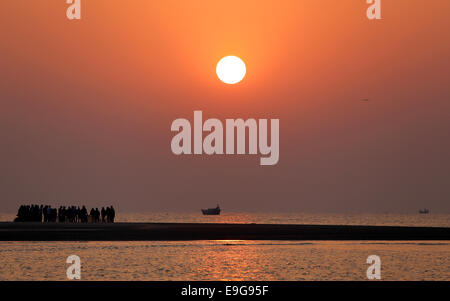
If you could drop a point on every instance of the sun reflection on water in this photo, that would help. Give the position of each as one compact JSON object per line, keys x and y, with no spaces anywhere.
{"x":225,"y":260}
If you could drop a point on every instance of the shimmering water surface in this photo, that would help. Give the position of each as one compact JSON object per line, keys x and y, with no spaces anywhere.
{"x":236,"y":260}
{"x":432,"y":220}
{"x":225,"y":260}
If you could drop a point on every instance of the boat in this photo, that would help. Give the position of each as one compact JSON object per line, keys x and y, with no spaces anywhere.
{"x":211,"y":211}
{"x":424,"y":211}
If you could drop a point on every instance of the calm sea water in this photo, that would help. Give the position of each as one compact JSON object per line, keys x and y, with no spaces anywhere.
{"x":432,"y":220}
{"x":225,"y":260}
{"x":236,"y":260}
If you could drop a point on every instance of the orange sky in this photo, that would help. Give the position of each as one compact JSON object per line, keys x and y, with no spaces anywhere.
{"x":87,"y":105}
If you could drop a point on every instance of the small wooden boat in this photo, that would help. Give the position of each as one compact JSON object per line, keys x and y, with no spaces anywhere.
{"x":211,"y":211}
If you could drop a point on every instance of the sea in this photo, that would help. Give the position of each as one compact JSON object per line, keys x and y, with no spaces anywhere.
{"x":236,"y":259}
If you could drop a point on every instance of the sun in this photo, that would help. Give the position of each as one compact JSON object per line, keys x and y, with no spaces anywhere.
{"x":231,"y":69}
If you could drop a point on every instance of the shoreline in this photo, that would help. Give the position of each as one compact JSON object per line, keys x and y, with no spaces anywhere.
{"x":29,"y":231}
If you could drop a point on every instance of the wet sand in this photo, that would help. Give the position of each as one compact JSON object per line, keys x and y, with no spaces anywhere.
{"x":188,"y":231}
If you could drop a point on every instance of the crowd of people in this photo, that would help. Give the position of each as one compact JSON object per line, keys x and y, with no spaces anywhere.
{"x":63,"y":214}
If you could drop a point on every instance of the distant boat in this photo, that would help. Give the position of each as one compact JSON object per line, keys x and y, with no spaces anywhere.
{"x":424,"y":211}
{"x":211,"y":211}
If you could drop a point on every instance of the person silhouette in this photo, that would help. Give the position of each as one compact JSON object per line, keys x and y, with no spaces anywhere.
{"x":113,"y":214}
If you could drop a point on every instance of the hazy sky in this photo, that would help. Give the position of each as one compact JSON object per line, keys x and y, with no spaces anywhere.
{"x":86,"y":106}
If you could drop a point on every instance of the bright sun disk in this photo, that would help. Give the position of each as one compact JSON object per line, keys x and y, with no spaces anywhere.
{"x":231,"y":69}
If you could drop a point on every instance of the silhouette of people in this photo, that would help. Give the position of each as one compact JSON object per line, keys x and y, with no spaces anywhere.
{"x":63,"y":214}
